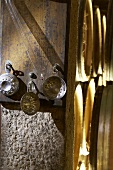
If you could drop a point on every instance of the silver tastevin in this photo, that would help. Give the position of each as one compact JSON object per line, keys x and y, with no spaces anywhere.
{"x":30,"y":103}
{"x":9,"y":83}
{"x":54,"y":87}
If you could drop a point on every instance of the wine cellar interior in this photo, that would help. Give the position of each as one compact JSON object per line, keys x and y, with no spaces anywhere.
{"x":56,"y":84}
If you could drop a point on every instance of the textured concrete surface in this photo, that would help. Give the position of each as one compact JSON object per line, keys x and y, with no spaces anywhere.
{"x":30,"y":142}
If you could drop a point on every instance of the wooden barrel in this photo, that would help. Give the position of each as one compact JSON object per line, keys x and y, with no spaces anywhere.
{"x":78,"y":119}
{"x":110,"y":161}
{"x":109,"y":40}
{"x":88,"y":108}
{"x":101,"y":148}
{"x":94,"y":127}
{"x":88,"y":90}
{"x":104,"y":153}
{"x":97,"y":44}
{"x":89,"y":32}
{"x":85,"y":39}
{"x":108,"y":115}
{"x":103,"y":56}
{"x":101,"y":129}
{"x":111,"y":64}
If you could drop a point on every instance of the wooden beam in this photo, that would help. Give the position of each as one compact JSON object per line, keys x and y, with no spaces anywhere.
{"x":72,"y":54}
{"x":38,"y":33}
{"x":57,"y":112}
{"x":0,"y":64}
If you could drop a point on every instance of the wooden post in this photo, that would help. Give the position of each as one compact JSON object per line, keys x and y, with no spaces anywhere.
{"x":69,"y":117}
{"x":0,"y":68}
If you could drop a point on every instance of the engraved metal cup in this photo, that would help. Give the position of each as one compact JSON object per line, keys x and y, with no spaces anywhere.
{"x":9,"y":84}
{"x":54,"y":87}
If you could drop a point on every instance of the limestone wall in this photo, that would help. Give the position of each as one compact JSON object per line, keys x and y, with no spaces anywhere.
{"x":30,"y":142}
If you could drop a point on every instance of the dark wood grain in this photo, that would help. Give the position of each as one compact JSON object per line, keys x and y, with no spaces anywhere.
{"x":94,"y":128}
{"x":109,"y":35}
{"x":44,"y":24}
{"x":38,"y":33}
{"x":69,"y":117}
{"x":50,"y":32}
{"x":97,"y":46}
{"x":107,"y":130}
{"x":111,"y":143}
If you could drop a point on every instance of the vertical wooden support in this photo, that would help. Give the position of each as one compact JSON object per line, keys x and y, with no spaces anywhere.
{"x":72,"y":54}
{"x":0,"y":68}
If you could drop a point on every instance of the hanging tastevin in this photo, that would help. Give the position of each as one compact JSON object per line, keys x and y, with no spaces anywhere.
{"x":56,"y":56}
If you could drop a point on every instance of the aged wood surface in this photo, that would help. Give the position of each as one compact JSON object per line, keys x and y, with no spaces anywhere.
{"x":85,"y":49}
{"x":78,"y":121}
{"x":94,"y":127}
{"x":0,"y":67}
{"x":101,"y":129}
{"x":109,"y":40}
{"x":69,"y":117}
{"x":88,"y":109}
{"x":111,"y":143}
{"x":104,"y":64}
{"x":38,"y":33}
{"x":109,"y":33}
{"x":97,"y":46}
{"x":107,"y":127}
{"x":15,"y":48}
{"x":34,"y":45}
{"x":41,"y":37}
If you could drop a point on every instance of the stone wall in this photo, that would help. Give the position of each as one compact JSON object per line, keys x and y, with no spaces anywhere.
{"x":30,"y":142}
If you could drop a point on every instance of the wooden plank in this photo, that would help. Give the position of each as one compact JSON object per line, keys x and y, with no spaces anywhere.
{"x":107,"y":128}
{"x":69,"y":117}
{"x":95,"y":123}
{"x":109,"y":33}
{"x":38,"y":33}
{"x":52,"y":29}
{"x":89,"y":103}
{"x":0,"y":67}
{"x":97,"y":46}
{"x":111,"y":143}
{"x":78,"y":122}
{"x":85,"y":49}
{"x":94,"y":127}
{"x":15,"y":50}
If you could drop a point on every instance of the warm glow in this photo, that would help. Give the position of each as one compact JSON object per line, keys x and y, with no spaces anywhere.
{"x":100,"y":40}
{"x":83,"y":150}
{"x":78,"y":121}
{"x":105,"y":70}
{"x":100,"y":83}
{"x":82,"y":167}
